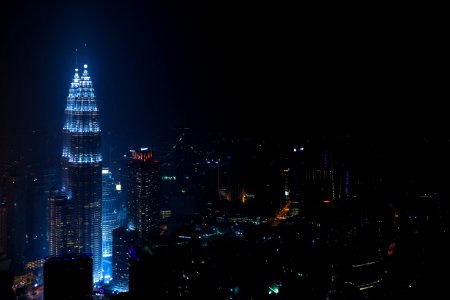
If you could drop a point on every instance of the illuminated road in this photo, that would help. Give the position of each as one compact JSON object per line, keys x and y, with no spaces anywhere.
{"x":282,"y":214}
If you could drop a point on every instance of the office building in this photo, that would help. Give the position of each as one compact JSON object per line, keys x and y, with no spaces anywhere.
{"x":143,"y":192}
{"x":123,"y":237}
{"x":82,"y":168}
{"x":110,"y":219}
{"x":57,"y":234}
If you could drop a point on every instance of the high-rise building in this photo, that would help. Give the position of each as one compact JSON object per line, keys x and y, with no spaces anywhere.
{"x":68,"y":277}
{"x":37,"y":225}
{"x":143,"y":192}
{"x":82,"y":168}
{"x":57,"y":205}
{"x":178,"y":186}
{"x":110,"y":219}
{"x":123,"y":237}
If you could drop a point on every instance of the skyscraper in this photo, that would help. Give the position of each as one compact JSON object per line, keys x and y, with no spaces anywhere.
{"x":57,"y":204}
{"x":123,"y":238}
{"x":82,"y":169}
{"x":143,"y":192}
{"x":110,"y":219}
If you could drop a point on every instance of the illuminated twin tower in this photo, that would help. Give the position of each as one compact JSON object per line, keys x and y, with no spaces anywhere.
{"x":82,"y":172}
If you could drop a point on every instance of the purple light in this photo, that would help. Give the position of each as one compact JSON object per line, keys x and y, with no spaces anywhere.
{"x":132,"y":252}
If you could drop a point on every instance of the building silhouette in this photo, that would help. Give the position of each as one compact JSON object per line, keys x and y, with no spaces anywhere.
{"x":143,"y":212}
{"x":6,"y":277}
{"x":82,"y":170}
{"x":68,"y":277}
{"x":123,"y":238}
{"x":14,"y":202}
{"x":143,"y":192}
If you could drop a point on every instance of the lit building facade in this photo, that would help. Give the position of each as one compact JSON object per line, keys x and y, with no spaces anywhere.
{"x":82,"y":169}
{"x":123,"y":238}
{"x":57,"y":205}
{"x":110,"y":219}
{"x":143,"y":192}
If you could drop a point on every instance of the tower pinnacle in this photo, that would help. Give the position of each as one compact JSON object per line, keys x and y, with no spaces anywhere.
{"x":76,"y":59}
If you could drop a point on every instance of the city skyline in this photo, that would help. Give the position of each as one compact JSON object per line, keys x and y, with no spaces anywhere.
{"x":257,"y":71}
{"x":265,"y":128}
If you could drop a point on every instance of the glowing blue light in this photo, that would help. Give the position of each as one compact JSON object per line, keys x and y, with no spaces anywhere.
{"x":66,"y":153}
{"x":85,"y":66}
{"x":84,"y":130}
{"x":85,"y":158}
{"x":184,"y":237}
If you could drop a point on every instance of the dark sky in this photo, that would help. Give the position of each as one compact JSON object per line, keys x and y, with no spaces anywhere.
{"x":263,"y":66}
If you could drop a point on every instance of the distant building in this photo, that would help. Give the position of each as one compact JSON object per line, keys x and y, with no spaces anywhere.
{"x":68,"y":277}
{"x":189,"y":180}
{"x":314,"y":178}
{"x":122,"y":239}
{"x":14,"y":198}
{"x":319,"y":185}
{"x":110,"y":219}
{"x":143,"y":191}
{"x":57,"y":234}
{"x":23,"y":213}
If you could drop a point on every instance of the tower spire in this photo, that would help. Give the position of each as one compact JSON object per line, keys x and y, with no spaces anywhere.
{"x":76,"y":58}
{"x":85,"y":54}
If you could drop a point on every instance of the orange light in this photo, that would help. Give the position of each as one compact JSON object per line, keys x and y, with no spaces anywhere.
{"x":391,"y":249}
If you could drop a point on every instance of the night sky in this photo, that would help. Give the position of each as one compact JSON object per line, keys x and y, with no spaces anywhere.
{"x":232,"y":66}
